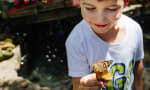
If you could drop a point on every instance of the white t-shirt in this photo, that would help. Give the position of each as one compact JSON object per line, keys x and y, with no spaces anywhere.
{"x":85,"y":48}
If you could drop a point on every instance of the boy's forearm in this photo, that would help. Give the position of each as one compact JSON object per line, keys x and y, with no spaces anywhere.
{"x":138,"y":74}
{"x":76,"y":83}
{"x":138,"y":84}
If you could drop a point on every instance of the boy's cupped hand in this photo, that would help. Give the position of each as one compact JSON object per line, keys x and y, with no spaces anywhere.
{"x":90,"y":81}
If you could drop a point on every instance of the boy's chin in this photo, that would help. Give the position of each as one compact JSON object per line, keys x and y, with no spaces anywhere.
{"x":100,"y":31}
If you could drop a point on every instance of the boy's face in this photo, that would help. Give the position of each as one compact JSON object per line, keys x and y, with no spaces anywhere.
{"x":102,"y":15}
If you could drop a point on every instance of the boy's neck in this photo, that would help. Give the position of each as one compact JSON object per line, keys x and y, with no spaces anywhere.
{"x":114,"y":36}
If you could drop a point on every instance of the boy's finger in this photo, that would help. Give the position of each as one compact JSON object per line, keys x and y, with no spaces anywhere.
{"x":105,"y":84}
{"x":101,"y":83}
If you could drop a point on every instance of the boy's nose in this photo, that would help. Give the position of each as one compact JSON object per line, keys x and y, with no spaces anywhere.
{"x":100,"y":17}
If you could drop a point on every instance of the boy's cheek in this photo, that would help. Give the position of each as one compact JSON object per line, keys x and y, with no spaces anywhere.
{"x":114,"y":17}
{"x":84,"y":14}
{"x":87,"y":17}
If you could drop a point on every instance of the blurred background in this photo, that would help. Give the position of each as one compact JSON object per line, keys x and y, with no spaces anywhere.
{"x":38,"y":29}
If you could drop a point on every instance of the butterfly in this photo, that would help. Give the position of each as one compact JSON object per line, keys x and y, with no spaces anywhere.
{"x":101,"y":66}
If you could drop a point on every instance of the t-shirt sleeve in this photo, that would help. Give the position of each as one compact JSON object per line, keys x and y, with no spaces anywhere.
{"x":77,"y":61}
{"x":139,"y":55}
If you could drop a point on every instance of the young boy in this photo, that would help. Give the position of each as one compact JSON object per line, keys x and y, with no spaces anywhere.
{"x":105,"y":34}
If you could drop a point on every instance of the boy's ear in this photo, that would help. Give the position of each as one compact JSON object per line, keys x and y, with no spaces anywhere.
{"x":126,"y":3}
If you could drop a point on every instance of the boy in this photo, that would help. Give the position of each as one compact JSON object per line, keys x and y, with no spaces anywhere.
{"x":105,"y":34}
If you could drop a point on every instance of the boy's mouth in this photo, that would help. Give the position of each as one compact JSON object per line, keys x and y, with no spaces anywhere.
{"x":100,"y":26}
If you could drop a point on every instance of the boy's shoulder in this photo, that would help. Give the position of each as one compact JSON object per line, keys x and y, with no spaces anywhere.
{"x":81,"y":25}
{"x":132,"y":26}
{"x":130,"y":21}
{"x":77,"y":33}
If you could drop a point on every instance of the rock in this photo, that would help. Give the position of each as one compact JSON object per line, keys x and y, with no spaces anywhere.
{"x":6,"y":49}
{"x":9,"y":67}
{"x":21,"y":84}
{"x":9,"y":79}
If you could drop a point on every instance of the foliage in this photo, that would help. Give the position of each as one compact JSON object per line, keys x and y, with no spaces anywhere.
{"x":10,"y":6}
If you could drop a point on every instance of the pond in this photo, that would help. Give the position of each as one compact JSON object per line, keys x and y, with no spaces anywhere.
{"x":43,"y":52}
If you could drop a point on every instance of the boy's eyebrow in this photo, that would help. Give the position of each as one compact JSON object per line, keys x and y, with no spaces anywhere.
{"x":84,"y":3}
{"x":114,"y":5}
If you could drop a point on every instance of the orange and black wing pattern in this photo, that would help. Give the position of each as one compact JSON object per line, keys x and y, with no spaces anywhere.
{"x":100,"y":68}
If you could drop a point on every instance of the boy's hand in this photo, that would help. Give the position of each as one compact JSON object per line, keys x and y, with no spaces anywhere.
{"x":90,"y":81}
{"x":75,"y":2}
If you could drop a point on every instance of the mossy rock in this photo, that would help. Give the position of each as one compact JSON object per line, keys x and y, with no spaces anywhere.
{"x":6,"y":49}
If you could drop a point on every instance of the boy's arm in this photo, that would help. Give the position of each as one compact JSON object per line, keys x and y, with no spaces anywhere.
{"x":76,"y":82}
{"x":138,"y":75}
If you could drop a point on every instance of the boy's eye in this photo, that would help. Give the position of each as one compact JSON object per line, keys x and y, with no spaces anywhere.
{"x":90,"y":9}
{"x":112,"y":9}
